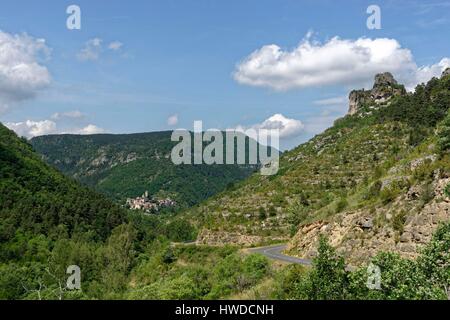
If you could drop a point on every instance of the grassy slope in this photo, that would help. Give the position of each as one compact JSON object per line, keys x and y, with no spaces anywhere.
{"x":316,"y":180}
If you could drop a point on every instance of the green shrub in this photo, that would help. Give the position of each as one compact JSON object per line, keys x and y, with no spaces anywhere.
{"x":341,"y":205}
{"x":180,"y":230}
{"x":427,"y":195}
{"x":373,"y":190}
{"x":272,"y":211}
{"x":388,"y":194}
{"x":262,"y":213}
{"x":447,"y":190}
{"x":444,"y":135}
{"x":427,"y":277}
{"x":328,"y":279}
{"x":398,"y":222}
{"x":255,"y":267}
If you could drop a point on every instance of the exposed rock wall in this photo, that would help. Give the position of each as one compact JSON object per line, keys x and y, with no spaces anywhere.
{"x":385,"y":87}
{"x":360,"y":235}
{"x":446,"y":72}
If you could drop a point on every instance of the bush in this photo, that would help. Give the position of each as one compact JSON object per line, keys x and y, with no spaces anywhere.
{"x":272,"y":211}
{"x":388,"y":194}
{"x":180,"y":230}
{"x":427,"y":194}
{"x":262,"y":213}
{"x":341,"y":205}
{"x":447,"y":190}
{"x":373,"y":191}
{"x":427,"y":277}
{"x":255,"y":267}
{"x":444,"y":135}
{"x":398,"y":222}
{"x":328,"y":280}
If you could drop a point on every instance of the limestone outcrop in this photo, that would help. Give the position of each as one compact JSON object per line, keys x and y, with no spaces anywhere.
{"x":385,"y":87}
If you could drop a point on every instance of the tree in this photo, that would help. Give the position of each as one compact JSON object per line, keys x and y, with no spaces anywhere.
{"x":328,"y":280}
{"x":444,"y":135}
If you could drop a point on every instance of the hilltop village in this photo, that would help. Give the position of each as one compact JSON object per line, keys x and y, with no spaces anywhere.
{"x":149,"y":204}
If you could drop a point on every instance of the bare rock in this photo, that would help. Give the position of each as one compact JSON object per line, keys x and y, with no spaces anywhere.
{"x":446,"y":72}
{"x":384,"y":88}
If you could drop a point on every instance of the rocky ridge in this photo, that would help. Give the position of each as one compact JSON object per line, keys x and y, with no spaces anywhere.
{"x":385,"y":87}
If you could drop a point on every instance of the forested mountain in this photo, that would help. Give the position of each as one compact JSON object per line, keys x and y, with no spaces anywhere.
{"x":49,"y":222}
{"x":374,"y":181}
{"x":36,"y":198}
{"x":122,"y":166}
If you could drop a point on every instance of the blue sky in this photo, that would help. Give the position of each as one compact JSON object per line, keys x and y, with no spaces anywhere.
{"x":180,"y":59}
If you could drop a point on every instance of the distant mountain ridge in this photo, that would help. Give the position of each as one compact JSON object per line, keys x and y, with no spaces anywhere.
{"x":127,"y":165}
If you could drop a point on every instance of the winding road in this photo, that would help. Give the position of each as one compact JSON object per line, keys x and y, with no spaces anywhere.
{"x":275,"y":253}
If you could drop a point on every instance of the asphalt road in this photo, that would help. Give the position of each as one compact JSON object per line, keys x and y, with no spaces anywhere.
{"x":275,"y":253}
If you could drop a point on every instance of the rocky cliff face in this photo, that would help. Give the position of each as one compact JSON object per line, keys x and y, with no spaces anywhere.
{"x":403,"y":227}
{"x":446,"y":72}
{"x":385,"y":87}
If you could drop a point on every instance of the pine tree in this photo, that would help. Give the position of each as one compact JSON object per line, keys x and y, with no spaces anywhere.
{"x":444,"y":135}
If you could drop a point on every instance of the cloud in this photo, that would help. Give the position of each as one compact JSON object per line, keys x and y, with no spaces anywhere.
{"x":31,"y":128}
{"x":425,"y":73}
{"x":91,"y":50}
{"x":68,"y":115}
{"x":172,"y":120}
{"x":288,"y":128}
{"x":89,"y":129}
{"x":335,"y":62}
{"x":115,"y":45}
{"x":22,"y":75}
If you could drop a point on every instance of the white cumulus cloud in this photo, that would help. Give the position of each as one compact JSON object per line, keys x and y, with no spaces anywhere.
{"x":91,"y":50}
{"x":89,"y":129}
{"x":94,"y":48}
{"x":288,"y":128}
{"x":425,"y":73}
{"x":335,"y":62}
{"x":172,"y":120}
{"x":22,"y":74}
{"x":31,"y":128}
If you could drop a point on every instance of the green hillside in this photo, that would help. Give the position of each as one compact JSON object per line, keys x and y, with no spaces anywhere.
{"x":122,"y":166}
{"x":356,"y":173}
{"x":36,"y":198}
{"x":49,"y":222}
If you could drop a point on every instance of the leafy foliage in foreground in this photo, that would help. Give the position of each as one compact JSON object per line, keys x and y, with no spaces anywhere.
{"x":190,"y":272}
{"x":428,"y":277}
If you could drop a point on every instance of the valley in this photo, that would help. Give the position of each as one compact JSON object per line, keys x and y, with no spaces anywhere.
{"x":373,"y":188}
